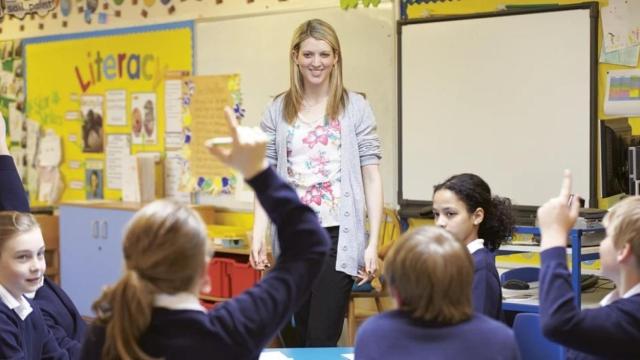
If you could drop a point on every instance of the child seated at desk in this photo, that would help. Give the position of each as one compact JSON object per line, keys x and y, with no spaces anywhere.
{"x":464,"y":206}
{"x":611,"y":331}
{"x":429,"y":273}
{"x":153,"y":310}
{"x":59,"y":312}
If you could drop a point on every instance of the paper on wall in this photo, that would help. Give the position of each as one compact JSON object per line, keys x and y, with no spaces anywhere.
{"x":173,"y":106}
{"x":175,"y":165}
{"x":49,"y":150}
{"x":130,"y":179}
{"x":622,"y":93}
{"x":116,"y":107}
{"x":16,"y":124}
{"x":118,"y":148}
{"x":620,"y":24}
{"x":626,"y":57}
{"x":33,"y":138}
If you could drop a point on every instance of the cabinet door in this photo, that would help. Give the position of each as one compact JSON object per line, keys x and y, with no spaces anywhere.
{"x":90,"y":252}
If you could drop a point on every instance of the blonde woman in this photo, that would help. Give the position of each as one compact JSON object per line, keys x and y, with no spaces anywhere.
{"x":324,"y":141}
{"x":153,"y":310}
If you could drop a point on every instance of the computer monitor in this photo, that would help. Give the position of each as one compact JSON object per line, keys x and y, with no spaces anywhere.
{"x":615,"y":140}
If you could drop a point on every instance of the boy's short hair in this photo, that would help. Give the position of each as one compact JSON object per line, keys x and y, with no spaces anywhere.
{"x":623,"y":225}
{"x":432,"y":275}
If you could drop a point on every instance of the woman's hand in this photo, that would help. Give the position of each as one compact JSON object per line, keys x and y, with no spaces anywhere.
{"x":258,"y":256}
{"x":370,"y":265}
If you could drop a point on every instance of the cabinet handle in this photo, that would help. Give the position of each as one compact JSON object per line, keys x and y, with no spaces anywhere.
{"x":95,"y":231}
{"x":105,"y":229}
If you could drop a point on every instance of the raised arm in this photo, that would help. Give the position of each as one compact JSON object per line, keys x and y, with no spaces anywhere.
{"x":254,"y":317}
{"x":12,"y":194}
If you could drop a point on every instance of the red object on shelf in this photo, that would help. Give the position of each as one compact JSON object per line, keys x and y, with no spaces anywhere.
{"x":242,"y":277}
{"x":218,"y":274}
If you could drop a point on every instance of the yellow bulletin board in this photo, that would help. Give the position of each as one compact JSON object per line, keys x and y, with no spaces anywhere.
{"x":116,"y":74}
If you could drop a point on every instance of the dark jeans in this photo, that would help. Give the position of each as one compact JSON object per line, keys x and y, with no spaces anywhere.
{"x":318,"y":322}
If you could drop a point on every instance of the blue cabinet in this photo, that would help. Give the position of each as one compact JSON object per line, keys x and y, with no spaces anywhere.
{"x":90,"y":251}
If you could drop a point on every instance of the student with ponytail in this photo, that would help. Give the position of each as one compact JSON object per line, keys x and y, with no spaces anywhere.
{"x":464,"y":206}
{"x":153,"y":310}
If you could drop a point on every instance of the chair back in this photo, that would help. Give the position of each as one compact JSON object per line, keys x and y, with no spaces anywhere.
{"x":531,"y":342}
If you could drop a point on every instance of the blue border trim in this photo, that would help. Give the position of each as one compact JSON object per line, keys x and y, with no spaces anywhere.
{"x":101,"y":33}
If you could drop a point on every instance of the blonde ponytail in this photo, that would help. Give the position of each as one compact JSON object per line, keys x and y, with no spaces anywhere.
{"x":126,"y":316}
{"x":164,"y":250}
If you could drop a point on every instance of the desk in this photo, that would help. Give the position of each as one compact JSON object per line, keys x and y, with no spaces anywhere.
{"x":313,"y":353}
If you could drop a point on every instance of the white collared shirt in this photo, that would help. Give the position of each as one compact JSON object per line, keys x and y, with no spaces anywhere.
{"x":179,"y":301}
{"x":475,"y":245}
{"x":20,"y":307}
{"x":614,"y":295}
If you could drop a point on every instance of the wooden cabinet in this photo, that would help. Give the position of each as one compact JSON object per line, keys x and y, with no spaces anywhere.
{"x":50,"y":227}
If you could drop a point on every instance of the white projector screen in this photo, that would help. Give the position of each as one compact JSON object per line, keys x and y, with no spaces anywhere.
{"x":511,"y":98}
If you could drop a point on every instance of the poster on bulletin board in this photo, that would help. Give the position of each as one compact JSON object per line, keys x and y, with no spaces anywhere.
{"x":89,"y":87}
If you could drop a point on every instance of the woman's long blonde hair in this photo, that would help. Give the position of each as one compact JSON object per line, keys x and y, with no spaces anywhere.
{"x":319,"y":30}
{"x":164,"y":252}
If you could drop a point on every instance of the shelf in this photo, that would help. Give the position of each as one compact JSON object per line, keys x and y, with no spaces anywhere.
{"x":237,"y":251}
{"x":585,"y":250}
{"x":211,"y":298}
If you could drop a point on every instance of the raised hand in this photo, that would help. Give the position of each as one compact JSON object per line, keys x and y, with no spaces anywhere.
{"x":558,"y":215}
{"x":247,"y":150}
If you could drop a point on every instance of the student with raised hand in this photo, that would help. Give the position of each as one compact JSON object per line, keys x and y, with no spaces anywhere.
{"x":611,"y":331}
{"x":323,"y":141}
{"x":59,"y":312}
{"x":23,"y":331}
{"x":464,"y":206}
{"x":429,"y":274}
{"x":153,"y":310}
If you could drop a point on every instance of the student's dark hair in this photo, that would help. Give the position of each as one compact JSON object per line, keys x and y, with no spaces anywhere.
{"x":475,"y":193}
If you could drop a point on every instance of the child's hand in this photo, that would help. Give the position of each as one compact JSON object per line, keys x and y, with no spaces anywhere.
{"x":4,"y":147}
{"x":558,"y":215}
{"x":247,"y":153}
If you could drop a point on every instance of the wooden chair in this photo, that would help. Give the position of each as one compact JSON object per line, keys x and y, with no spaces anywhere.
{"x":389,"y":232}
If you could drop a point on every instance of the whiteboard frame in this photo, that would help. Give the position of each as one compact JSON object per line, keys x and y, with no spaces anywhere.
{"x":414,"y":207}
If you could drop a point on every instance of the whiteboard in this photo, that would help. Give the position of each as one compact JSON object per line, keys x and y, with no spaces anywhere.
{"x":510,"y":98}
{"x":257,"y":48}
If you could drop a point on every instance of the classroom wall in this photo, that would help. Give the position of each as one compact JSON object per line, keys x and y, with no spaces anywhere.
{"x":141,"y":14}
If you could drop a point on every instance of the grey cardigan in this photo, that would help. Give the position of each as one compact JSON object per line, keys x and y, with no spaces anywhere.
{"x":360,"y":146}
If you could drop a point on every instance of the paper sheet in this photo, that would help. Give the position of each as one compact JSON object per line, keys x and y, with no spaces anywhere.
{"x":620,"y":24}
{"x":94,"y":179}
{"x":50,"y":150}
{"x":116,"y":107}
{"x":16,"y":124}
{"x":273,"y":355}
{"x":118,"y":148}
{"x":130,"y":179}
{"x":144,"y":127}
{"x":622,"y":94}
{"x":173,"y":106}
{"x":33,"y":138}
{"x":174,"y":167}
{"x":348,"y":356}
{"x":626,"y":57}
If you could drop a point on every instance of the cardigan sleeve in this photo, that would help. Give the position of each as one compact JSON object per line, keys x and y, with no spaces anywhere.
{"x":366,"y":135}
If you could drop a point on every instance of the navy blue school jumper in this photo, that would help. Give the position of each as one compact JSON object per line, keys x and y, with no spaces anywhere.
{"x":395,"y":335}
{"x":608,"y":332}
{"x":486,"y":293}
{"x":239,"y":328}
{"x":59,"y":312}
{"x":27,"y":339}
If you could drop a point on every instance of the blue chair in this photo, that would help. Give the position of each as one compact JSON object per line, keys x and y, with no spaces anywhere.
{"x":531,"y":342}
{"x":528,"y":274}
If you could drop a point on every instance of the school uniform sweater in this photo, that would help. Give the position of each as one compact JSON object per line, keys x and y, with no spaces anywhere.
{"x":59,"y":312}
{"x":12,"y":194}
{"x":395,"y":335}
{"x":239,"y":328}
{"x":608,"y":332}
{"x":62,"y":317}
{"x":28,"y":339}
{"x":486,"y":293}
